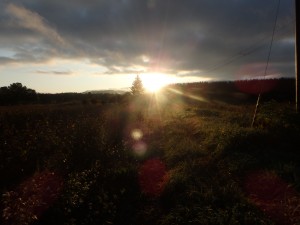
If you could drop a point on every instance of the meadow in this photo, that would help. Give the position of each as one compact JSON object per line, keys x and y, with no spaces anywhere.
{"x":161,"y":159}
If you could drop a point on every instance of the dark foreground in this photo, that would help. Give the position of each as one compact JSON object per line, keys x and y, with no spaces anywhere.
{"x":150,"y":161}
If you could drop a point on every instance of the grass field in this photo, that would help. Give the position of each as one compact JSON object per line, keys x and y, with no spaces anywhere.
{"x":156,"y":160}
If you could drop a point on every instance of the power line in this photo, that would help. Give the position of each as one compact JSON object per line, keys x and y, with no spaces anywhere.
{"x":247,"y":51}
{"x":267,"y":64}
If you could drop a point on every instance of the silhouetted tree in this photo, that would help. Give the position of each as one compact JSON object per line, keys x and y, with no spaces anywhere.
{"x":4,"y":95}
{"x":137,"y":87}
{"x":17,"y":93}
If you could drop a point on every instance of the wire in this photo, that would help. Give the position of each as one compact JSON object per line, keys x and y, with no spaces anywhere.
{"x":272,"y":40}
{"x":267,"y":64}
{"x":247,"y":51}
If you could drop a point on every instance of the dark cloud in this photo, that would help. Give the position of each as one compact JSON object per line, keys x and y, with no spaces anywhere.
{"x":6,"y":60}
{"x":187,"y":38}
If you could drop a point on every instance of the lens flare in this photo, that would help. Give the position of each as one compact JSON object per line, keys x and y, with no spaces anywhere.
{"x":191,"y":96}
{"x":273,"y":196}
{"x":140,"y":148}
{"x":33,"y":197}
{"x":136,"y":134}
{"x":153,"y":177}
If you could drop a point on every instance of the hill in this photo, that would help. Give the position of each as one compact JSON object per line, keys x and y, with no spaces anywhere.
{"x":110,"y":91}
{"x":240,"y":91}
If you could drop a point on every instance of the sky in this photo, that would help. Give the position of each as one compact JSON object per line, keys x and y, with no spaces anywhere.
{"x":78,"y":45}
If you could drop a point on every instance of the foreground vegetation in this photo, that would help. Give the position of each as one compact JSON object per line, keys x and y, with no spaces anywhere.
{"x":167,"y":159}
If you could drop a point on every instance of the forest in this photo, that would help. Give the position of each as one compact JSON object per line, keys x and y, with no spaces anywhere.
{"x":240,"y":91}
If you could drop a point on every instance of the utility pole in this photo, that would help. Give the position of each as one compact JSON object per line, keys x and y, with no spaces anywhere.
{"x":297,"y":51}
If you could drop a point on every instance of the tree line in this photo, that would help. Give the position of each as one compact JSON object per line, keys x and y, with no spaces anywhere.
{"x":278,"y":89}
{"x":16,"y":93}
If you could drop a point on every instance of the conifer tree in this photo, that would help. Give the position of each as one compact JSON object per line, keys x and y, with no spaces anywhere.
{"x":137,"y":87}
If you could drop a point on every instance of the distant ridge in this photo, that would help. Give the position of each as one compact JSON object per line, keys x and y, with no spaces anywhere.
{"x":123,"y":91}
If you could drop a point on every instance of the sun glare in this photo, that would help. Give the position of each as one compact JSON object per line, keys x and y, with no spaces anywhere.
{"x":153,"y":82}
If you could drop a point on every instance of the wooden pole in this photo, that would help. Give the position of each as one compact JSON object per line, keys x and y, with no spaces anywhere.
{"x":297,"y":51}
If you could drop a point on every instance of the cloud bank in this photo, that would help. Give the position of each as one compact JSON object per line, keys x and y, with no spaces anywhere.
{"x":217,"y":39}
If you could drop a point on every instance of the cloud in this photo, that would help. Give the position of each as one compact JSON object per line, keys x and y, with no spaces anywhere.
{"x":6,"y":60}
{"x":54,"y":72}
{"x":29,"y":37}
{"x":33,"y":21}
{"x":186,"y":38}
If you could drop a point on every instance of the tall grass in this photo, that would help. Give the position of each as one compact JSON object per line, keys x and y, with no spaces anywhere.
{"x":84,"y":166}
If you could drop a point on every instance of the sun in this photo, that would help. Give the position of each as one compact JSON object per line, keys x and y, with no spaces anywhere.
{"x":153,"y":82}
